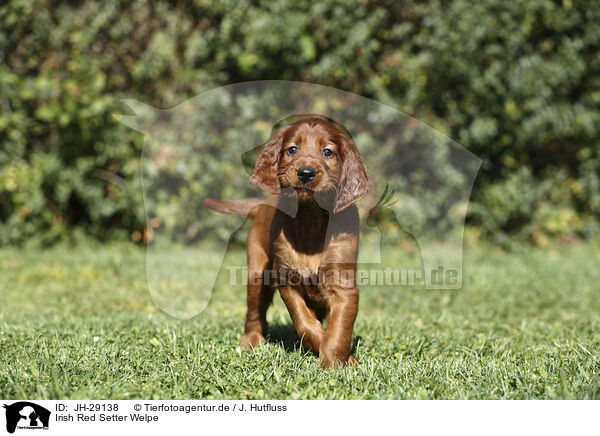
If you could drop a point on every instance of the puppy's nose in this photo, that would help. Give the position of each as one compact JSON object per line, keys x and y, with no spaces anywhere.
{"x":306,"y":174}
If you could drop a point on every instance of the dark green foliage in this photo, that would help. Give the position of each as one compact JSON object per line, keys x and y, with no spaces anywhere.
{"x":517,"y":83}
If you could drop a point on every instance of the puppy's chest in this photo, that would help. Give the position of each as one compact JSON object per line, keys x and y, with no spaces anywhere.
{"x":298,"y":256}
{"x":298,"y":266}
{"x":300,"y":271}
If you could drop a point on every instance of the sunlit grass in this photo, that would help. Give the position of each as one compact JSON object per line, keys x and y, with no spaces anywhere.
{"x":80,"y":323}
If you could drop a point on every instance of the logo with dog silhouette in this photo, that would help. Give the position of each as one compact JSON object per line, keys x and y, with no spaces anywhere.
{"x":26,"y":415}
{"x":206,"y":148}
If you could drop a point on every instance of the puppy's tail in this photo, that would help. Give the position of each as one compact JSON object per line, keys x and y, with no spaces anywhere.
{"x":246,"y":207}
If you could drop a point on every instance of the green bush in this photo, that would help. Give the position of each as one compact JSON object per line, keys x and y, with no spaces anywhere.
{"x":517,"y":83}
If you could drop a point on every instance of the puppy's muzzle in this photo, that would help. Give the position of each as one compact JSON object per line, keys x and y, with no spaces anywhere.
{"x":306,"y":174}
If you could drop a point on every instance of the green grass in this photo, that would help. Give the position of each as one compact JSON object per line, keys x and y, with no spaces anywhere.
{"x":80,"y":323}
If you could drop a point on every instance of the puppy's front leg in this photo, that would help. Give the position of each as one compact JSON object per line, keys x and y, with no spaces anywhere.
{"x":307,"y":325}
{"x":343,"y":308}
{"x":260,"y":296}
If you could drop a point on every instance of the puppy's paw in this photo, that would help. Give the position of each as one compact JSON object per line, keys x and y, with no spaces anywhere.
{"x":252,"y":340}
{"x":332,"y":361}
{"x":353,"y":362}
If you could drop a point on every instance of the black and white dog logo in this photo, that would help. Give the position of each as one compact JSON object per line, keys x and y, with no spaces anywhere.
{"x":26,"y":415}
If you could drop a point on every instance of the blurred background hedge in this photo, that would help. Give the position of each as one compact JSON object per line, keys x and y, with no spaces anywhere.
{"x":517,"y":83}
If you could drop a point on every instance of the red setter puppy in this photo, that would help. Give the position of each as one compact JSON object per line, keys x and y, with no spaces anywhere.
{"x":304,"y":240}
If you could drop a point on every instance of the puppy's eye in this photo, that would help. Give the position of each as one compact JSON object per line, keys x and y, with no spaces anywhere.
{"x":292,"y":150}
{"x":327,"y":152}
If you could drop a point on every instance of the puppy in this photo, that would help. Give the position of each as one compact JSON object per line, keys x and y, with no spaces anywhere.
{"x":304,"y":240}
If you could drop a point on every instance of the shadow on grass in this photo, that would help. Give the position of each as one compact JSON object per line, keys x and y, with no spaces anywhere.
{"x":285,"y":336}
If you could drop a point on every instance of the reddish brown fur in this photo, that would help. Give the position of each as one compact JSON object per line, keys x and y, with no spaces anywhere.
{"x":320,"y":240}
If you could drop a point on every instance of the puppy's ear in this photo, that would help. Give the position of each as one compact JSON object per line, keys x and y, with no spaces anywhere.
{"x":354,"y":180}
{"x":265,"y":171}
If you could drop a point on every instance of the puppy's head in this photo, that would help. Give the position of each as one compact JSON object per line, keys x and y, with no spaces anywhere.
{"x":315,"y":159}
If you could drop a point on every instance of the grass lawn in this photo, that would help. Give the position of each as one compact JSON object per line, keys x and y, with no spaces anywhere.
{"x":80,"y":323}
